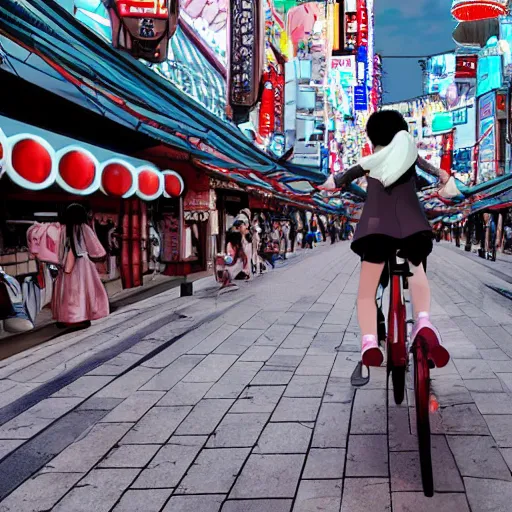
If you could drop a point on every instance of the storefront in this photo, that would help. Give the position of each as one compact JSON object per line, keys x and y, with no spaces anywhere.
{"x":127,"y":200}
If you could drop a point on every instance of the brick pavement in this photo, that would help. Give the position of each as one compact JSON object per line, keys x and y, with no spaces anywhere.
{"x":252,"y":411}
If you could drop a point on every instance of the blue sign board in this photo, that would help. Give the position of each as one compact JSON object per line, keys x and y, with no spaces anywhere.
{"x":361,"y":90}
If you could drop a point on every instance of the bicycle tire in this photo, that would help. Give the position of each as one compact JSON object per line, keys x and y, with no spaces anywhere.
{"x":422,"y":395}
{"x":398,"y":380}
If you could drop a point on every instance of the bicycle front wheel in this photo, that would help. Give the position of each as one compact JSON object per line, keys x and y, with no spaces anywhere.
{"x":422,"y":395}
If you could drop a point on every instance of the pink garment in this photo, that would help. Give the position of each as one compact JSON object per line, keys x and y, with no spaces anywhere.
{"x":44,"y":240}
{"x":79,"y":295}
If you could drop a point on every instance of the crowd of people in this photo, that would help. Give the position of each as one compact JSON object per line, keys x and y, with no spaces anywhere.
{"x":256,"y":241}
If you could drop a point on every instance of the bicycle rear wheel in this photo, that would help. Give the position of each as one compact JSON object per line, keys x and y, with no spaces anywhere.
{"x":422,"y":395}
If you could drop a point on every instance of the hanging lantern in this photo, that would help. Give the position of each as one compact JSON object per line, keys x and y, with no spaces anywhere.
{"x":144,"y":27}
{"x":173,"y":184}
{"x":473,"y":10}
{"x":118,"y":179}
{"x":30,"y":162}
{"x":78,"y":171}
{"x":3,"y":152}
{"x":267,"y":109}
{"x":150,"y":183}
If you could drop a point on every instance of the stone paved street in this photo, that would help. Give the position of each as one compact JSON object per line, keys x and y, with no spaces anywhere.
{"x":242,"y":402}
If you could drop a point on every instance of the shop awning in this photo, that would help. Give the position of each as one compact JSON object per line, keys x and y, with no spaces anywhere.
{"x":475,"y":34}
{"x":36,"y":159}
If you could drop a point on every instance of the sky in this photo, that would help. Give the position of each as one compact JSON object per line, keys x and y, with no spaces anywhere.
{"x":410,"y":27}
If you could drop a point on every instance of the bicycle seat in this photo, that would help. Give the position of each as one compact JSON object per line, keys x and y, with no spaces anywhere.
{"x":399,"y":266}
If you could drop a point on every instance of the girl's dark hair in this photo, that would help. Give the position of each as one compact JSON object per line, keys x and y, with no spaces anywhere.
{"x":234,"y":238}
{"x":75,"y":215}
{"x":384,"y":125}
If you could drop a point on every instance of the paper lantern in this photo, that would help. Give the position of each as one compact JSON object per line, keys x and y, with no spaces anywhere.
{"x":150,"y":183}
{"x":473,"y":10}
{"x":30,"y":162}
{"x":174,"y":185}
{"x":78,"y":170}
{"x":118,"y":179}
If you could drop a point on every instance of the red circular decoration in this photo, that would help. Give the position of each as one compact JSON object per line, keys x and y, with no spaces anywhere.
{"x":149,"y":183}
{"x":31,"y":160}
{"x":475,"y":10}
{"x":116,"y":179}
{"x":77,"y":169}
{"x":173,"y":185}
{"x":1,"y":151}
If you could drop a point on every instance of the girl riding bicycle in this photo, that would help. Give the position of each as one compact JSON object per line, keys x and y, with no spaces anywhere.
{"x":392,"y":221}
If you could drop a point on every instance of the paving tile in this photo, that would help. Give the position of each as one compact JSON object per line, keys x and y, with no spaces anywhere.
{"x":40,"y":492}
{"x":331,"y":428}
{"x":157,"y":426}
{"x":37,"y":418}
{"x":474,"y":369}
{"x":170,"y":463}
{"x":7,"y":446}
{"x":147,"y":500}
{"x":316,"y":365}
{"x":234,"y":380}
{"x":185,"y":393}
{"x":484,"y":385}
{"x":405,"y":471}
{"x":258,"y":399}
{"x":297,"y":409}
{"x":339,"y":390}
{"x":367,"y":456}
{"x":451,"y":391}
{"x":289,"y":318}
{"x":275,"y":335}
{"x":324,"y":495}
{"x":238,"y":430}
{"x":128,"y":383}
{"x":205,"y":417}
{"x":446,"y":502}
{"x":501,"y":429}
{"x":84,"y":386}
{"x":134,"y":407}
{"x":257,"y":353}
{"x":400,"y":438}
{"x":211,"y":368}
{"x":306,"y":386}
{"x":323,"y":463}
{"x":272,"y":378}
{"x":98,"y":491}
{"x":493,"y":403}
{"x":276,"y":505}
{"x":285,"y":438}
{"x":239,"y":342}
{"x":494,"y":354}
{"x":211,"y":503}
{"x":486,"y":495}
{"x":172,"y":374}
{"x":214,"y":471}
{"x":365,"y":494}
{"x":130,"y":456}
{"x":269,"y":476}
{"x":507,"y":455}
{"x":446,"y":474}
{"x":88,"y":450}
{"x":369,"y":415}
{"x":479,"y":457}
{"x":212,"y":341}
{"x":289,"y":358}
{"x":463,"y":419}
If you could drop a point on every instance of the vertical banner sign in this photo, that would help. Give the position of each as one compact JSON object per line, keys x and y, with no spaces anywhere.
{"x":246,"y":52}
{"x":360,"y":90}
{"x":362,"y":22}
{"x":487,"y":137}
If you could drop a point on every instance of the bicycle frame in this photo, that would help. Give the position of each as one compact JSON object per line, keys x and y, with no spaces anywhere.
{"x":397,"y":315}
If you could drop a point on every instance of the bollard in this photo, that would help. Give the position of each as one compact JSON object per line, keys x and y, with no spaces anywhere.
{"x":187,"y":289}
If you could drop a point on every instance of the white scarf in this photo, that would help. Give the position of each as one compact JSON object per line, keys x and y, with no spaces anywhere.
{"x":388,"y":164}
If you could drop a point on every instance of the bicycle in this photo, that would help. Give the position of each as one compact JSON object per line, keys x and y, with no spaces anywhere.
{"x":398,"y":363}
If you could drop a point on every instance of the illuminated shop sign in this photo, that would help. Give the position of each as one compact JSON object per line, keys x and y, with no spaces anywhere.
{"x":489,"y":75}
{"x":465,"y":66}
{"x":360,"y":90}
{"x":441,"y":73}
{"x":345,"y":69}
{"x":487,"y":136}
{"x":460,"y":116}
{"x":362,"y":22}
{"x":246,"y":55}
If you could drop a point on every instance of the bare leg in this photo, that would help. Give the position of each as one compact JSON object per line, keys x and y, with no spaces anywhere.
{"x":366,"y":306}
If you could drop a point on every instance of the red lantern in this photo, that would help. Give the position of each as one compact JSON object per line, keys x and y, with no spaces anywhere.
{"x":150,"y":184}
{"x":32,"y":161}
{"x":474,"y":10}
{"x":1,"y":151}
{"x":77,"y":170}
{"x":173,"y":184}
{"x":117,"y":180}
